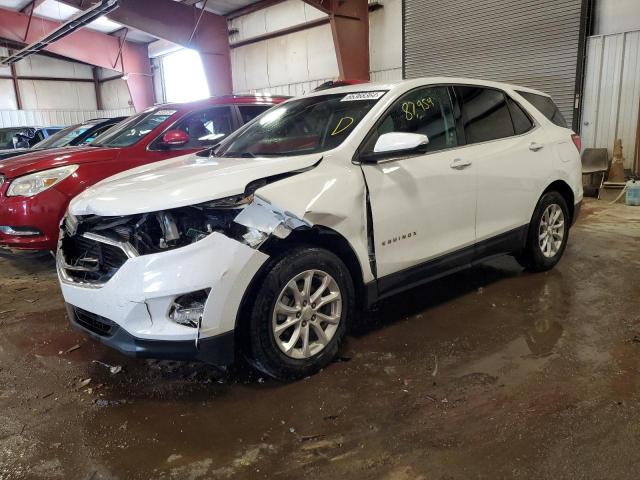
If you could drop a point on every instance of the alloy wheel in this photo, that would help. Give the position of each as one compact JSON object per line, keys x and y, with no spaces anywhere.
{"x":307,"y":314}
{"x":551,"y":230}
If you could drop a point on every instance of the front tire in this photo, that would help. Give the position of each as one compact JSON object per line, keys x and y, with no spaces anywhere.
{"x":548,"y":234}
{"x":300,"y":313}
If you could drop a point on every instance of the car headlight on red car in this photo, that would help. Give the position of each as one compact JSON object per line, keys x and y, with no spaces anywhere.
{"x":35,"y":183}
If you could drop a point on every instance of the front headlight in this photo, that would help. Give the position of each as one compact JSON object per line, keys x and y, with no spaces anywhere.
{"x":38,"y":182}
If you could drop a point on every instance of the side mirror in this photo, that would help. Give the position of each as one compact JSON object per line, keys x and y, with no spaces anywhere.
{"x":175,"y":138}
{"x":397,"y":144}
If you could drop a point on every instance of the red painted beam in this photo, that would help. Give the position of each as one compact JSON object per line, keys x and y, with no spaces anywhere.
{"x":184,"y":25}
{"x":350,"y":29}
{"x":90,"y":47}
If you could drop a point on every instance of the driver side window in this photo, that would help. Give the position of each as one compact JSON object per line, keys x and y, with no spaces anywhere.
{"x":427,"y":111}
{"x":206,"y":127}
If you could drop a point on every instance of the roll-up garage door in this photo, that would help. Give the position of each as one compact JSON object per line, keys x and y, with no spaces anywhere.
{"x":534,"y":43}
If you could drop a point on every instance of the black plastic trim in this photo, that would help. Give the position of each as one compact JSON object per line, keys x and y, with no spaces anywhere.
{"x":218,"y":350}
{"x":512,"y":241}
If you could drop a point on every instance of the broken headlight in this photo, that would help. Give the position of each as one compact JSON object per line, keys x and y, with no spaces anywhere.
{"x":245,"y":218}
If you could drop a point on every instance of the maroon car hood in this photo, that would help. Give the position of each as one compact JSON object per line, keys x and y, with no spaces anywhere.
{"x":58,"y":157}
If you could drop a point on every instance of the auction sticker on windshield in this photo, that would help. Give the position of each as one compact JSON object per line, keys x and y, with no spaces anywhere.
{"x":352,"y":97}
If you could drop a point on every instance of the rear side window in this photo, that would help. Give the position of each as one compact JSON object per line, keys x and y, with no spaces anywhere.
{"x":521,"y":121}
{"x":485,"y":114}
{"x":546,"y":106}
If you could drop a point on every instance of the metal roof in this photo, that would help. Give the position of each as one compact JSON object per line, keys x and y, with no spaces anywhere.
{"x":54,"y":10}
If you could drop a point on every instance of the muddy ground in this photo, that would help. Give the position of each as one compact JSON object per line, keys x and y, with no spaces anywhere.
{"x":490,"y":373}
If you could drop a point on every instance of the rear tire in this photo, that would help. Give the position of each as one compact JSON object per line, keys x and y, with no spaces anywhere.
{"x":547,"y":235}
{"x":300,"y":313}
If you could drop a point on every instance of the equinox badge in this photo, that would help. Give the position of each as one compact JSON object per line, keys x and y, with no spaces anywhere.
{"x":404,"y":236}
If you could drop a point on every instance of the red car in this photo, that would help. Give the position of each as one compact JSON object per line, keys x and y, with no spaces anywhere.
{"x":35,"y":189}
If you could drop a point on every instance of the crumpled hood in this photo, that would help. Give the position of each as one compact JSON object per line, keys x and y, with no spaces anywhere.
{"x":56,"y":157}
{"x":180,"y":182}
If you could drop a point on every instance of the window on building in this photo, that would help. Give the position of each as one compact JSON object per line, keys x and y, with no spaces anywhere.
{"x":184,"y":77}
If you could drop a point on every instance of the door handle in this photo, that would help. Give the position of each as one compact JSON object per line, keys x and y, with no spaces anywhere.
{"x":534,"y":146}
{"x":459,"y":164}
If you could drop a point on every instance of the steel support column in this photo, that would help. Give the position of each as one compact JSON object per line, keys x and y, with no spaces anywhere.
{"x":184,"y":25}
{"x":16,"y":87}
{"x":350,"y":29}
{"x":87,"y":46}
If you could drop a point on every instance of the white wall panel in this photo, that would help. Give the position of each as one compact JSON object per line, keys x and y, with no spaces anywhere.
{"x":385,"y":37}
{"x":115,"y":94}
{"x":44,"y":118}
{"x":389,"y":75}
{"x":106,"y":73}
{"x":7,"y":95}
{"x":282,"y":61}
{"x":41,"y":66}
{"x":4,"y":71}
{"x":612,"y":93}
{"x":292,"y":89}
{"x":274,"y":18}
{"x":49,"y":95}
{"x":298,"y":62}
{"x":616,"y":16}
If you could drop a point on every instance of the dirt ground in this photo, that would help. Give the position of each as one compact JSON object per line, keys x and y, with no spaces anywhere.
{"x":491,"y":373}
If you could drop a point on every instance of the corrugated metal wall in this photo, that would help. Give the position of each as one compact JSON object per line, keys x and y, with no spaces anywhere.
{"x":533,"y":43}
{"x":45,"y":118}
{"x":612,"y":93}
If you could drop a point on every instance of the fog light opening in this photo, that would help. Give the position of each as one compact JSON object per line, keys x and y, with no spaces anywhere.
{"x":188,"y":309}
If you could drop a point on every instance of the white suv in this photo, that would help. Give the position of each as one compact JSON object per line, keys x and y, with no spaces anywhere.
{"x":323,"y":205}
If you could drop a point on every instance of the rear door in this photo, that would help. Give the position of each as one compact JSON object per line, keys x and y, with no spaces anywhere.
{"x":511,"y":155}
{"x":422,"y":206}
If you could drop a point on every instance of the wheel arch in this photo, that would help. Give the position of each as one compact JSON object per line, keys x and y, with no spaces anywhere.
{"x":565,"y":190}
{"x":316,"y":236}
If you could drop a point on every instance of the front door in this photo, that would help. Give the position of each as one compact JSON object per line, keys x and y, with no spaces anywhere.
{"x":423,"y":206}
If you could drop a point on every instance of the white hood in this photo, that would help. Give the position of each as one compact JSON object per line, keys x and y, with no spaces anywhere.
{"x":179,"y":182}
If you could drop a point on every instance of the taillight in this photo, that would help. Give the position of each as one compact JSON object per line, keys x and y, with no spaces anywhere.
{"x":575,"y":138}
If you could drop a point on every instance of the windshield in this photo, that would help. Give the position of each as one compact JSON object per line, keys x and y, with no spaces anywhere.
{"x":64,"y":137}
{"x":307,"y":125}
{"x":6,"y":137}
{"x":133,"y":130}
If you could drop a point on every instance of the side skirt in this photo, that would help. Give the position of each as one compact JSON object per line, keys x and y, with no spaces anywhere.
{"x":506,"y":243}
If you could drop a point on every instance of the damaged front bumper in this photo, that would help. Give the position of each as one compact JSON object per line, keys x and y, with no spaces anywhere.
{"x":217,"y":350}
{"x":138,"y":298}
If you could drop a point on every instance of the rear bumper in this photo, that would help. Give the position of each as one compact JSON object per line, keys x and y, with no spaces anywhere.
{"x":217,"y":350}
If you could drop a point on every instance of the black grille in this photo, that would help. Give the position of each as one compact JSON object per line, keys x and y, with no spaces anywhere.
{"x":94,"y":323}
{"x":101,"y":259}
